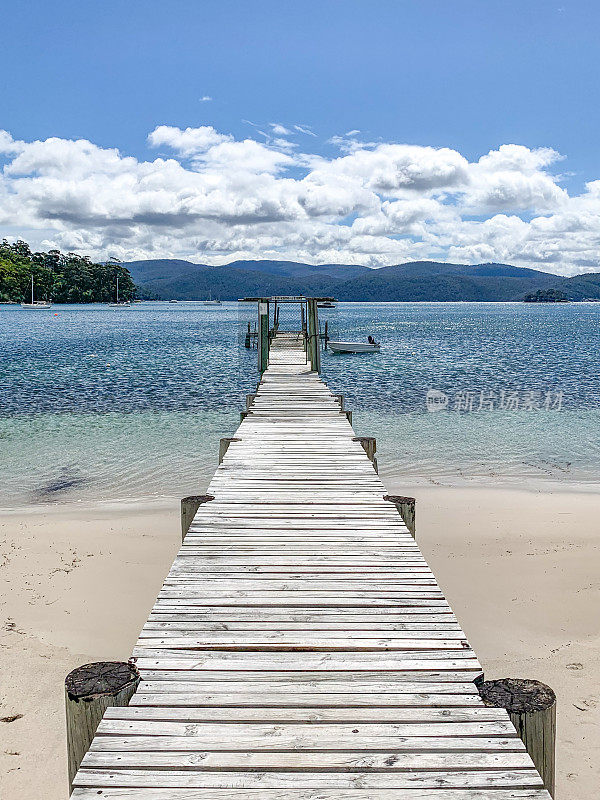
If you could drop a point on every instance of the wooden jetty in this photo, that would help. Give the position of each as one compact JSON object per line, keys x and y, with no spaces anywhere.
{"x":300,"y":647}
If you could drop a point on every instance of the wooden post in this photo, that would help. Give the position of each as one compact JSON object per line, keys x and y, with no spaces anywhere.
{"x":348,"y":416}
{"x":249,"y":400}
{"x":223,"y":447}
{"x":263,"y":335}
{"x":326,"y":333}
{"x":313,"y":336}
{"x":189,"y":506}
{"x":369,"y":445}
{"x":310,"y":334}
{"x":407,"y":509}
{"x":340,"y":399}
{"x":531,"y":706}
{"x":89,"y":691}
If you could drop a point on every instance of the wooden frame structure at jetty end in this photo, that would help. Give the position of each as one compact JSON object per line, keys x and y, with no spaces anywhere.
{"x":300,"y":647}
{"x":305,"y":334}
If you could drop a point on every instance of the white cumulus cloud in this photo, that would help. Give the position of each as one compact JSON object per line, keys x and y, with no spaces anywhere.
{"x":203,"y":194}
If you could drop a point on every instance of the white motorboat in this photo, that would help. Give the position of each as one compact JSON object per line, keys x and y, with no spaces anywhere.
{"x":354,"y":347}
{"x":36,"y":305}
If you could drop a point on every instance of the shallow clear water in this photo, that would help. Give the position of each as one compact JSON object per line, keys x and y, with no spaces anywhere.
{"x":100,"y":403}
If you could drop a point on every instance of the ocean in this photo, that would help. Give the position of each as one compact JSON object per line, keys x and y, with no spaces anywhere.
{"x":108,"y":404}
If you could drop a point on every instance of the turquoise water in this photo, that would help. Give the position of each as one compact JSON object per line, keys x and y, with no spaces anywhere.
{"x":99,"y":403}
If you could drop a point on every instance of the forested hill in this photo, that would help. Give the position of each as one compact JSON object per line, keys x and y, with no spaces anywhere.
{"x":414,"y":281}
{"x":62,"y":278}
{"x":70,"y":278}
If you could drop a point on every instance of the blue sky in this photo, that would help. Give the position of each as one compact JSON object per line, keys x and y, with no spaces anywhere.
{"x":469,"y":76}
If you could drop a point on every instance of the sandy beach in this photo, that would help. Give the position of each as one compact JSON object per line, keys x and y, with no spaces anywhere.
{"x":519,"y":568}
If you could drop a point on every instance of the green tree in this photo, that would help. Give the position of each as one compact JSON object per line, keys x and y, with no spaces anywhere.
{"x":63,"y":278}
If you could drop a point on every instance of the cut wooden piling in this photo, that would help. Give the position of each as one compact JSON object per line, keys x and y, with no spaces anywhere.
{"x":407,"y":508}
{"x":369,"y":445}
{"x":89,"y":691}
{"x":189,"y":507}
{"x":223,"y":447}
{"x":531,"y":706}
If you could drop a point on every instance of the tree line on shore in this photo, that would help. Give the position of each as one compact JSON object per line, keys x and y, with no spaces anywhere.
{"x":60,"y":277}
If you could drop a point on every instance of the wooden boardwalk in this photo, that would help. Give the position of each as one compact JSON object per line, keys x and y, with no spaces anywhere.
{"x":300,"y":647}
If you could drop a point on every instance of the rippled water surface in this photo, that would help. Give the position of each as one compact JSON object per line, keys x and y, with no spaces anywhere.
{"x":99,"y":403}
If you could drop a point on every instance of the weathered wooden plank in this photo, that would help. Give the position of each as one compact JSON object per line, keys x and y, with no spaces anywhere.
{"x":300,"y":685}
{"x":349,"y":703}
{"x":480,"y":779}
{"x":269,"y":714}
{"x":308,"y":794}
{"x":326,"y":644}
{"x":237,"y":741}
{"x":304,"y":761}
{"x":276,"y":635}
{"x":379,"y":681}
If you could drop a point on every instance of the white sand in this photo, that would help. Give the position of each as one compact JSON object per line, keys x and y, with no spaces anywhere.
{"x":521,"y":570}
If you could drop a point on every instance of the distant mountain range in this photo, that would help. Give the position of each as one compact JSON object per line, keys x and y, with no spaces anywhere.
{"x":173,"y":279}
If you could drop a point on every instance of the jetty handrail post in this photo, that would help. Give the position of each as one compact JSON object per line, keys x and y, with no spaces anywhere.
{"x":531,"y":706}
{"x":89,"y":691}
{"x":309,"y":334}
{"x":313,"y":335}
{"x":263,"y":335}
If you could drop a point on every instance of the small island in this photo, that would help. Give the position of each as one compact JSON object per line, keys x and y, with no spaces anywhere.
{"x":546,"y":296}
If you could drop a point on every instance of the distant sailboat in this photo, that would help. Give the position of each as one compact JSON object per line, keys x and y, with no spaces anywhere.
{"x":120,"y":303}
{"x":211,"y":302}
{"x":37,"y":305}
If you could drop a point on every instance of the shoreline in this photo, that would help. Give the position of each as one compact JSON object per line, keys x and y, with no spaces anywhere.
{"x":393,"y":482}
{"x":519,"y":568}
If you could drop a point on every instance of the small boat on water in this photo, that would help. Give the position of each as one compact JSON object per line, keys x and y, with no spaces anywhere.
{"x":120,"y":303}
{"x":36,"y":305}
{"x":354,"y":347}
{"x":211,"y":302}
{"x":326,"y":304}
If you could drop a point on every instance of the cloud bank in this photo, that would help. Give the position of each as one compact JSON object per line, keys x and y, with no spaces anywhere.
{"x":205,"y":195}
